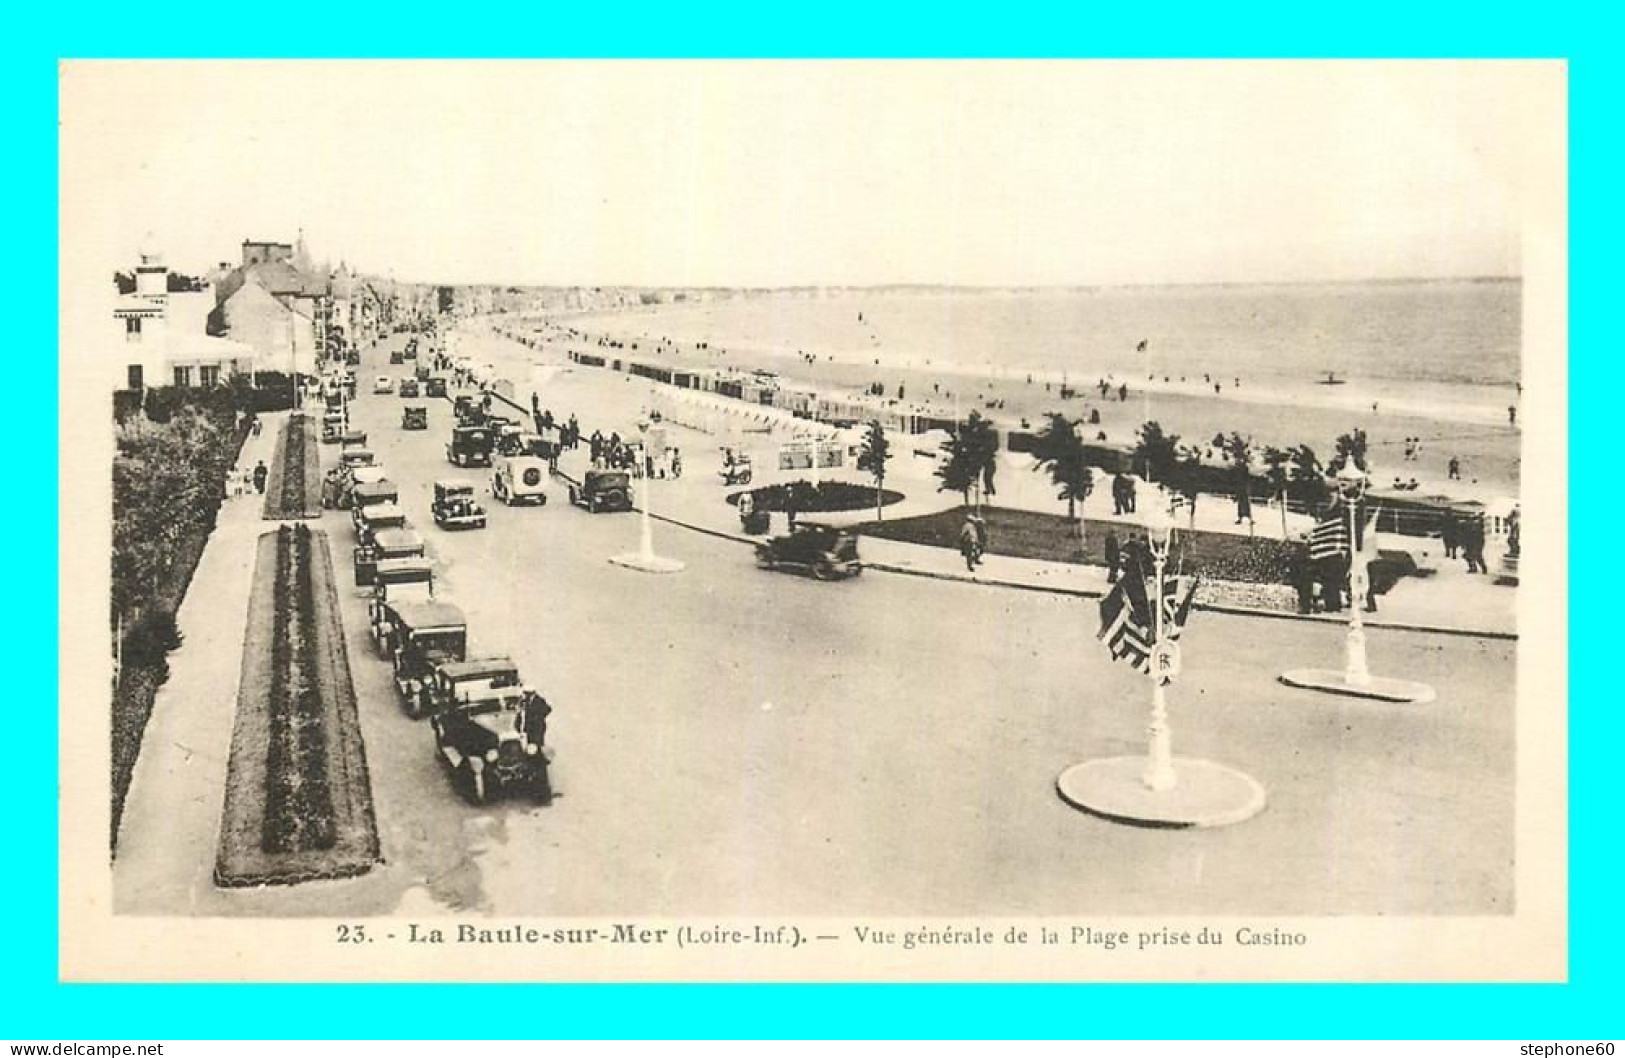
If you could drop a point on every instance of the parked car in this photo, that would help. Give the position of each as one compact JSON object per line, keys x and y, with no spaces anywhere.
{"x":411,"y":351}
{"x":495,"y":744}
{"x":355,"y":457}
{"x":603,"y":490}
{"x":460,"y":682}
{"x":454,"y":506}
{"x":369,"y":520}
{"x":434,"y":386}
{"x":470,"y":446}
{"x":518,"y":479}
{"x":418,"y":637}
{"x":370,"y":493}
{"x":398,"y":580}
{"x":383,"y":384}
{"x":333,"y":426}
{"x":824,"y":551}
{"x":383,"y":545}
{"x":414,"y":417}
{"x":397,"y":356}
{"x":354,"y":439}
{"x":352,"y":357}
{"x":408,"y":388}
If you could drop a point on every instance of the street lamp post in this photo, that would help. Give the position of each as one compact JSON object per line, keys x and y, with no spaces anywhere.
{"x":1159,"y":763}
{"x":644,"y":559}
{"x":1355,"y":678}
{"x":1351,"y":486}
{"x":1157,"y":789}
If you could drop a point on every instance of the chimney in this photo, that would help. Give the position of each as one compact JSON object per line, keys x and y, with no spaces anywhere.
{"x":152,"y":275}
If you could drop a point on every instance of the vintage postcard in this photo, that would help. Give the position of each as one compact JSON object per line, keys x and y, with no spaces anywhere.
{"x":850,"y":521}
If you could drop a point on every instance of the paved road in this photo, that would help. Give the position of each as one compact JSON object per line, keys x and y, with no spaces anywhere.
{"x":735,"y":742}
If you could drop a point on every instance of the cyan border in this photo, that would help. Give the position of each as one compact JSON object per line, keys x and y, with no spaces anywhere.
{"x":33,"y":1005}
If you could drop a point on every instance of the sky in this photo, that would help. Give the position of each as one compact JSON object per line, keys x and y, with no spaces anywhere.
{"x":833,"y":173}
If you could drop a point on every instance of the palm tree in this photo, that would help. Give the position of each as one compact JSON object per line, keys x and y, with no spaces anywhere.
{"x":872,"y":459}
{"x":969,"y":456}
{"x":955,"y":470}
{"x":1308,"y":478}
{"x":1350,"y":445}
{"x":1277,"y":471}
{"x":1058,"y":449}
{"x":1240,"y":451}
{"x":1156,"y":453}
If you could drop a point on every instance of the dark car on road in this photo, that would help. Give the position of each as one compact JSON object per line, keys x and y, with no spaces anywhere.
{"x":603,"y":490}
{"x":434,"y":386}
{"x":397,"y":357}
{"x":496,"y":744}
{"x":470,"y":446}
{"x":408,"y":388}
{"x":419,"y":637}
{"x":454,"y":506}
{"x":414,"y":417}
{"x":821,"y":550}
{"x":384,"y":544}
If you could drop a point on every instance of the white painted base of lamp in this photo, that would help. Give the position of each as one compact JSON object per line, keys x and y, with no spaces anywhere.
{"x":1376,"y":688}
{"x":648,"y":563}
{"x":1206,"y":794}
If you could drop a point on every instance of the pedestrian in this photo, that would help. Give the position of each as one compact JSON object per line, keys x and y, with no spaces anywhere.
{"x":1302,"y":575}
{"x":260,"y":474}
{"x":1512,"y":415}
{"x":257,"y":425}
{"x":1455,"y":468}
{"x":968,"y":542}
{"x":790,"y":505}
{"x":1114,"y":556}
{"x":1472,"y":545}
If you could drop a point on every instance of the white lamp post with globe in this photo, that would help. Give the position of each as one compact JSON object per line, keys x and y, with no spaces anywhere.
{"x":1355,"y":679}
{"x":644,"y":558}
{"x":1159,"y":789}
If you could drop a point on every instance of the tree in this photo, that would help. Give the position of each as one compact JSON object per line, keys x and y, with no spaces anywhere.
{"x":1308,"y":485}
{"x":1278,"y":472}
{"x":1240,"y":451}
{"x":1058,"y":449}
{"x":872,"y":458}
{"x":1156,"y":453}
{"x":1186,"y":478}
{"x":1351,"y":445}
{"x":968,"y":457}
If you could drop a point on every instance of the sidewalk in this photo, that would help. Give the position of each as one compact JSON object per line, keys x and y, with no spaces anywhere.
{"x":172,"y":811}
{"x":1449,"y":602}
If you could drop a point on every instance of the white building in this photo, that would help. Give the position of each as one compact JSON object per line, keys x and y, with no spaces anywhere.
{"x":163,"y":335}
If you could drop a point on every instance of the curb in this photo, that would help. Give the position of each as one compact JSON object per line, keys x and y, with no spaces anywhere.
{"x":1090,"y":593}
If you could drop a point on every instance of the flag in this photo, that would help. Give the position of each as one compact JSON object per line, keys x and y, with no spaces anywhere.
{"x":1125,"y":625}
{"x":1177,"y":595}
{"x":1329,"y":538}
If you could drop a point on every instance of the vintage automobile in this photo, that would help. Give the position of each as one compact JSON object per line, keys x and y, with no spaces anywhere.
{"x":422,"y":372}
{"x":414,"y":417}
{"x":397,"y":357}
{"x":454,"y":506}
{"x":408,"y":388}
{"x":822,"y":550}
{"x":356,"y":457}
{"x":333,"y":426}
{"x":518,"y":479}
{"x":368,"y":494}
{"x":369,"y":520}
{"x":467,"y":410}
{"x":418,"y":637}
{"x":354,"y":439}
{"x":383,"y":384}
{"x":434,"y":386}
{"x":382,"y":545}
{"x":470,"y":446}
{"x":492,"y":739}
{"x":603,"y":490}
{"x":511,"y":439}
{"x":411,"y":351}
{"x":397,"y":580}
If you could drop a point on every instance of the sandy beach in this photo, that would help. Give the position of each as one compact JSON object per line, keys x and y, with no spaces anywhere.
{"x":1449,"y":418}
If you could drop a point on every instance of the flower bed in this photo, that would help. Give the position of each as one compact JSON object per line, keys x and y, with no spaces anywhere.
{"x":293,"y":489}
{"x":298,"y":799}
{"x":825,"y":496}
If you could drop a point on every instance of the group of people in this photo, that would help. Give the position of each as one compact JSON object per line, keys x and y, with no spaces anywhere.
{"x":1464,"y":537}
{"x":973,"y":540}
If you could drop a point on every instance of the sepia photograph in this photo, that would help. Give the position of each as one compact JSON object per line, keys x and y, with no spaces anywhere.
{"x":663,"y":520}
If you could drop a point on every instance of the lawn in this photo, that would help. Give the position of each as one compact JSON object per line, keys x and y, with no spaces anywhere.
{"x":1053,"y":538}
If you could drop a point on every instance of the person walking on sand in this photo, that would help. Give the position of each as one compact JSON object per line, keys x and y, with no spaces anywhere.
{"x":1455,"y":468}
{"x":1114,"y":555}
{"x":260,"y":474}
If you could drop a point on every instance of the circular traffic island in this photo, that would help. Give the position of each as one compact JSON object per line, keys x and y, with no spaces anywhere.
{"x":1205,"y":793}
